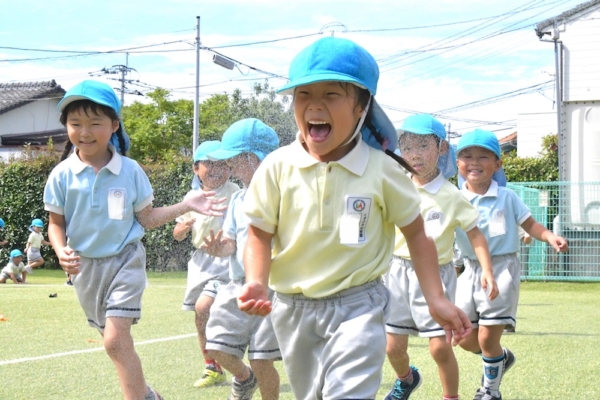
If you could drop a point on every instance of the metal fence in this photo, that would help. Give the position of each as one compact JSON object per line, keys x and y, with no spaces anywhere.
{"x":571,"y":210}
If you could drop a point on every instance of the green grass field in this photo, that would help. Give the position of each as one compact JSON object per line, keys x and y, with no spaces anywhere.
{"x":49,"y":352}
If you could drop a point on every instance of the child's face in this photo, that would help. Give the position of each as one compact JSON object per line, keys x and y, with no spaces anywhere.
{"x":37,"y":229}
{"x":477,"y":165}
{"x":421,"y":152}
{"x":243,"y":166}
{"x":90,"y":132}
{"x":17,"y":260}
{"x":213,"y":174}
{"x":326,"y":114}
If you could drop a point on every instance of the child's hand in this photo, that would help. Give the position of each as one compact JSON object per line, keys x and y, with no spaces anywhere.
{"x":559,"y":243}
{"x":526,"y":238}
{"x":205,"y":203}
{"x":452,"y":319}
{"x":214,"y":244}
{"x":254,"y":299}
{"x":68,"y":260}
{"x":189,"y":223}
{"x":488,"y":282}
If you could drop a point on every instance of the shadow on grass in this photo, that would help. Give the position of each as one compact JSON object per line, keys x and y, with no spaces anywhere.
{"x":555,"y":334}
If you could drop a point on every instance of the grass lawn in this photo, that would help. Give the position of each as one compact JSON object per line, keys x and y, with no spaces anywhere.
{"x":49,"y":352}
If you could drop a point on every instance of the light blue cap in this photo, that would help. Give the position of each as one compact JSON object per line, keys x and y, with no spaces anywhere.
{"x":36,"y":222}
{"x":206,"y":147}
{"x":15,"y":253}
{"x":1,"y":223}
{"x":99,"y":93}
{"x":248,"y":135}
{"x":484,"y":139}
{"x":342,"y":60}
{"x":425,"y":124}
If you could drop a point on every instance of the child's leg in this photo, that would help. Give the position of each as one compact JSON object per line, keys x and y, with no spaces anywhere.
{"x":471,"y":342}
{"x":489,"y":340}
{"x":2,"y":279}
{"x":118,"y":344}
{"x":231,"y":363}
{"x":268,"y":378}
{"x":201,"y":317}
{"x":396,"y":349}
{"x":442,"y":353}
{"x":37,"y":263}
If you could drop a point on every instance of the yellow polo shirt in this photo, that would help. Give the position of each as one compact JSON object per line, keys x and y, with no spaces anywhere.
{"x":333,"y":223}
{"x":443,"y":209}
{"x":204,"y":223}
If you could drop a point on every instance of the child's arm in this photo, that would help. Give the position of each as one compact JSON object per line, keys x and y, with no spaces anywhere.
{"x":480,"y":246}
{"x":46,"y":243}
{"x":201,"y":202}
{"x":253,"y":298}
{"x":425,"y":261}
{"x":182,"y":228}
{"x":13,"y":278}
{"x":538,"y":231}
{"x":58,"y":239}
{"x":217,"y":245}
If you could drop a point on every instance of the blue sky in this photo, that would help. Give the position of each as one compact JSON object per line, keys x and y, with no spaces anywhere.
{"x":445,"y":63}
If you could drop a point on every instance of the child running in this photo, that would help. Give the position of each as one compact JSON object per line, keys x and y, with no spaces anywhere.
{"x":35,"y":241}
{"x":230,"y":331}
{"x":15,"y":269}
{"x":205,"y":272}
{"x":330,"y":202}
{"x":501,"y":212}
{"x":100,"y":202}
{"x":424,"y":146}
{"x":3,"y":242}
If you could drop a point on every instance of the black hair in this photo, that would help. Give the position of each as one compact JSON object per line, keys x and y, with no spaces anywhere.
{"x":362,"y":99}
{"x":85,"y":106}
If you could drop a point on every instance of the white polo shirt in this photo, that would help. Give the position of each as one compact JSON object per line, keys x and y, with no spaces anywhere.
{"x":100,"y":209}
{"x":443,"y":209}
{"x":501,"y":211}
{"x":333,"y":223}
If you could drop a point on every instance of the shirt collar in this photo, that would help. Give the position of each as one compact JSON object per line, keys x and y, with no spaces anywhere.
{"x":114,"y":165}
{"x":355,"y":161}
{"x":491,"y":192}
{"x":435,"y":185}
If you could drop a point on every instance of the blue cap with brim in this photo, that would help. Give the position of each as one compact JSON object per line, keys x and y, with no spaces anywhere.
{"x":341,"y":60}
{"x":16,"y":253}
{"x":100,"y":93}
{"x":484,"y":139}
{"x":248,"y":135}
{"x":206,"y":147}
{"x":425,"y":124}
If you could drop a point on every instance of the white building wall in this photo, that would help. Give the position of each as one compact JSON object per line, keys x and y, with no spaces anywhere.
{"x":37,"y":116}
{"x":531,"y":128}
{"x":581,"y":58}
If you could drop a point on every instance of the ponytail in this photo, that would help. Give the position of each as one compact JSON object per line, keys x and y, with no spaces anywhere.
{"x":67,"y":150}
{"x":122,"y":145}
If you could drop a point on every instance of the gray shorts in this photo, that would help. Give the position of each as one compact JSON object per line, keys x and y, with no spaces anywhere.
{"x":232,"y":331}
{"x":334,"y":347}
{"x":409,"y":313}
{"x":7,"y":276}
{"x":33,"y":254}
{"x":112,"y":286}
{"x":205,"y":274}
{"x":471,"y":298}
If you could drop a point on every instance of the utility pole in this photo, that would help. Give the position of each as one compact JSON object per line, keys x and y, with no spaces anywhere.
{"x":197,"y":94}
{"x":121,"y":70}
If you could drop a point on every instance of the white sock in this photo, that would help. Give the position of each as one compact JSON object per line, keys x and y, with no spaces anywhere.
{"x":492,"y":373}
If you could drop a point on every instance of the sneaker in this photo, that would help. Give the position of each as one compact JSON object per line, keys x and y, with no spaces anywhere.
{"x":68,"y":283}
{"x":153,"y":395}
{"x":29,"y":269}
{"x":210,"y":378}
{"x":402,"y":390}
{"x":483,"y":394}
{"x":509,"y":329}
{"x":243,"y":391}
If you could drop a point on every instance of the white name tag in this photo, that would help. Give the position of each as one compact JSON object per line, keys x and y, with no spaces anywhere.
{"x":116,"y":203}
{"x":433,"y":224}
{"x":353,"y":223}
{"x":497,"y":225}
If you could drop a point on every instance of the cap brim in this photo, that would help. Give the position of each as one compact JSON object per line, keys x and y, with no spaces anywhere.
{"x":68,"y":100}
{"x":314,"y":78}
{"x":383,"y":125}
{"x":223,"y":154}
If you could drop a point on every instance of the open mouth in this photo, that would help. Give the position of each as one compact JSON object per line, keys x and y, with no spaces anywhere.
{"x":318,"y":130}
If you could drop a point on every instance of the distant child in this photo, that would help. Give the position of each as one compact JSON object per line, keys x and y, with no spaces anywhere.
{"x":3,"y":242}
{"x":205,"y":273}
{"x":230,"y":331}
{"x":330,"y":202}
{"x":424,"y":146}
{"x":15,"y":269}
{"x":100,"y":201}
{"x":501,"y":212}
{"x":35,"y":241}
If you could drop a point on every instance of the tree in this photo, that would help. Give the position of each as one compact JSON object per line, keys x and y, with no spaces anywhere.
{"x":534,"y":169}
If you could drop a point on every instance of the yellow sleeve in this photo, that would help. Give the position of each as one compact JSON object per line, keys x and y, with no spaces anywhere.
{"x":400,"y":196}
{"x":262,"y":200}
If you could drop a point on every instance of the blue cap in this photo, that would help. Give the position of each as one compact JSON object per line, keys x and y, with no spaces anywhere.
{"x":15,"y":253}
{"x":248,"y":135}
{"x":100,"y":93}
{"x":1,"y":223}
{"x":486,"y":140}
{"x":342,"y":60}
{"x":36,"y":222}
{"x":206,"y":147}
{"x":425,"y":124}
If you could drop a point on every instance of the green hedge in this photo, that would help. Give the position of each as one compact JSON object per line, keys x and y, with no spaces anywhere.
{"x":21,"y":200}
